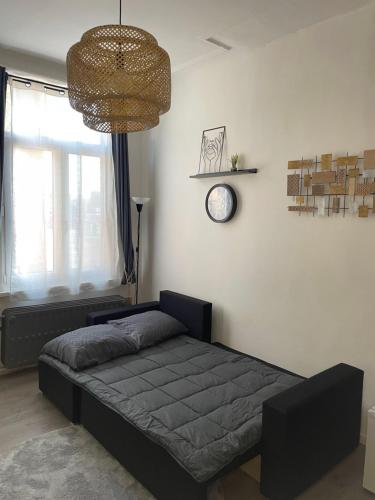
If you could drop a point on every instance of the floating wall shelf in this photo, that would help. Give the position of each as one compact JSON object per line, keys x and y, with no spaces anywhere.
{"x":225,"y":173}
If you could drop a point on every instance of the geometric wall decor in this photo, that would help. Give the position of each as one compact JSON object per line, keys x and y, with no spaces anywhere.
{"x":306,"y":180}
{"x":341,"y":175}
{"x":363,"y":211}
{"x":300,"y":209}
{"x":323,"y":177}
{"x":336,"y":188}
{"x":336,"y":205}
{"x":351,"y":186}
{"x":354,"y":172}
{"x":318,"y":190}
{"x":333,"y":185}
{"x":294,"y":165}
{"x":344,"y":161}
{"x":369,"y":159}
{"x":326,"y":162}
{"x":297,"y":164}
{"x":364,"y":189}
{"x":293,"y":185}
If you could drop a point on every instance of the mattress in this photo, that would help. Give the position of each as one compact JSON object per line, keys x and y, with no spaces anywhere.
{"x":203,"y":404}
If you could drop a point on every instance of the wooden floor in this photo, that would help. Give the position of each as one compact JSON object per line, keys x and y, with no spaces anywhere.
{"x":25,"y":413}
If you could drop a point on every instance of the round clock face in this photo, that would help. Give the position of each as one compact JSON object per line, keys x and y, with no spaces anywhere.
{"x":221,"y":203}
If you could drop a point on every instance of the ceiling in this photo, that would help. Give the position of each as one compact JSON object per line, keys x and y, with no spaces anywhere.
{"x":50,"y":27}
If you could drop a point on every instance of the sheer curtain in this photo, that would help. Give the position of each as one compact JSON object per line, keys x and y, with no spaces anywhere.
{"x":60,"y":208}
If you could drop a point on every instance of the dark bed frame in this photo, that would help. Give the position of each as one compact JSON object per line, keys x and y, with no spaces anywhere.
{"x":306,"y":429}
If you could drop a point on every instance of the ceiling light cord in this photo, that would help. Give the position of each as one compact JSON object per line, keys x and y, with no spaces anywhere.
{"x":120,"y":12}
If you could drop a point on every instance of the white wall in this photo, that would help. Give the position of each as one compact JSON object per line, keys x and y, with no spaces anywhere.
{"x":296,"y":291}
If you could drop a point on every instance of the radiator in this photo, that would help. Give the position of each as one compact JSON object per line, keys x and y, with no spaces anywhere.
{"x":24,"y":330}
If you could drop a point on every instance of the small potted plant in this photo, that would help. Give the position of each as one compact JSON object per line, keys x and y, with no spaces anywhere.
{"x":234,"y":161}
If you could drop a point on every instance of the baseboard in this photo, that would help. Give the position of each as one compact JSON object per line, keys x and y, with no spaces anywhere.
{"x":9,"y":371}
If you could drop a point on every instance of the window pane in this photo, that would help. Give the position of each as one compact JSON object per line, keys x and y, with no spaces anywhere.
{"x":86,"y":201}
{"x":33,"y":211}
{"x":92,"y":217}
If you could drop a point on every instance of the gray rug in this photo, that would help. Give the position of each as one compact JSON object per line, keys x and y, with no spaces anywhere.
{"x":66,"y":464}
{"x":69,"y":464}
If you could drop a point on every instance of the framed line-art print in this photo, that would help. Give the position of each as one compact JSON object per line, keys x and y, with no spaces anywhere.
{"x":212,"y":150}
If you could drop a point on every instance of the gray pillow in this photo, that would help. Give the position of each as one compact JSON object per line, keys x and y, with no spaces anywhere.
{"x":149,"y":328}
{"x":90,"y":346}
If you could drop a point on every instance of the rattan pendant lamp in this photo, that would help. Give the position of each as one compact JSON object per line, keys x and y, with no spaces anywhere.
{"x":119,"y":78}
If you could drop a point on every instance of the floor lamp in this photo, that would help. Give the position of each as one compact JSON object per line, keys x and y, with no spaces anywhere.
{"x":139,"y":202}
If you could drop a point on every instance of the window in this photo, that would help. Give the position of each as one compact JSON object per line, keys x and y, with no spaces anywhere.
{"x":59,"y":209}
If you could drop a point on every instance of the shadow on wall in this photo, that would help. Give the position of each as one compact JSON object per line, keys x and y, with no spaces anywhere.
{"x":30,"y":64}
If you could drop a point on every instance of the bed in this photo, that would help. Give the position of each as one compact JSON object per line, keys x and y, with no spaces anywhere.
{"x":181,"y":413}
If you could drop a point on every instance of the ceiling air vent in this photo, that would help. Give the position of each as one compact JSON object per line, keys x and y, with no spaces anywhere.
{"x":218,"y":43}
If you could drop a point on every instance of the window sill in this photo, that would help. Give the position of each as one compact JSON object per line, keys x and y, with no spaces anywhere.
{"x":122,"y":290}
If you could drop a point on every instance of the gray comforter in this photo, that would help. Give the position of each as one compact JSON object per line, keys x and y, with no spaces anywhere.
{"x":201,"y":403}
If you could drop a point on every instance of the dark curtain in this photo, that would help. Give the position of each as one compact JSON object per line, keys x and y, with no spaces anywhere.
{"x":3,"y":91}
{"x":121,"y":166}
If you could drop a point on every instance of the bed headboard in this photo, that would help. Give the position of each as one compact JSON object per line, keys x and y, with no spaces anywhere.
{"x":194,"y":313}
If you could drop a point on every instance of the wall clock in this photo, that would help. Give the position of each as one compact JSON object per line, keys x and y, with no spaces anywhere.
{"x":221,"y":203}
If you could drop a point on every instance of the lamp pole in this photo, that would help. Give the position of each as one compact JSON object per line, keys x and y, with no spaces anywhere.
{"x":139,"y":202}
{"x":139,"y":210}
